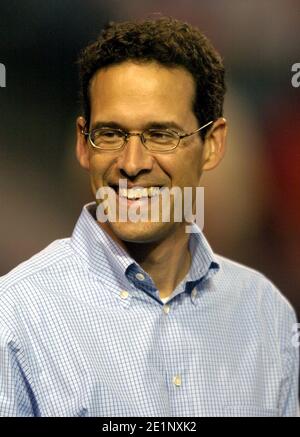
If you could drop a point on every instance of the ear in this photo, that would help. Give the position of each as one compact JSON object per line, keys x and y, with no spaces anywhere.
{"x":214,"y":144}
{"x":82,"y":146}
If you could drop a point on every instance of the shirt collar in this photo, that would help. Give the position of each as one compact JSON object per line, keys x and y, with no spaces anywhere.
{"x":100,"y":252}
{"x":103,"y":255}
{"x":204,"y":262}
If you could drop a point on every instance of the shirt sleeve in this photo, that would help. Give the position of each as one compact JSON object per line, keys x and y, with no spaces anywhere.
{"x":16,"y":397}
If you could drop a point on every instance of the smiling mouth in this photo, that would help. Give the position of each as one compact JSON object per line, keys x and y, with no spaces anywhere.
{"x":137,"y":192}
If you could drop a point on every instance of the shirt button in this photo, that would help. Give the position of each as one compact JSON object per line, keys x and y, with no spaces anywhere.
{"x":194,"y":292}
{"x":140,"y":276}
{"x":124,"y":294}
{"x":177,"y":380}
{"x":166,"y":309}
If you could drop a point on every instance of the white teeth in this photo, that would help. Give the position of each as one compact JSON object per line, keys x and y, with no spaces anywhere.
{"x":137,"y":193}
{"x":144,"y":192}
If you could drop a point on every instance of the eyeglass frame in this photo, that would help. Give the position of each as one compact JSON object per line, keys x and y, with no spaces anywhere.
{"x":127,"y":135}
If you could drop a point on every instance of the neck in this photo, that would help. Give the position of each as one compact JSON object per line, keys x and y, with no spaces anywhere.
{"x":166,"y":261}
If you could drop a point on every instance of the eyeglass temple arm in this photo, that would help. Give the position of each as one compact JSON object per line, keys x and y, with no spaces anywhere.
{"x":198,"y":130}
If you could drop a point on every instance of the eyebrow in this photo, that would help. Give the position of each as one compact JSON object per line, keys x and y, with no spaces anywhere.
{"x":149,"y":125}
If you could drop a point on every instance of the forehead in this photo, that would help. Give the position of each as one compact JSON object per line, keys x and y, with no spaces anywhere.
{"x":142,"y":88}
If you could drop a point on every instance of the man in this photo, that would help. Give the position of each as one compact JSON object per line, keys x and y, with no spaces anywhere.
{"x":86,"y":329}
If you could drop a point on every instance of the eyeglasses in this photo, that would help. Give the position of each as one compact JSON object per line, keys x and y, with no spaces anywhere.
{"x":156,"y":140}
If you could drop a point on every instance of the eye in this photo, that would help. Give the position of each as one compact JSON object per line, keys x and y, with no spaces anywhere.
{"x":107,"y":134}
{"x":160,"y":136}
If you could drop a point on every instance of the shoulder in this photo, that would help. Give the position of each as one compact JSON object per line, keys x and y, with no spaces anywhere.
{"x":253,"y":287}
{"x":51,"y":255}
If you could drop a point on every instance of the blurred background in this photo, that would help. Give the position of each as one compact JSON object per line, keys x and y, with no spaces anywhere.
{"x":252,"y":207}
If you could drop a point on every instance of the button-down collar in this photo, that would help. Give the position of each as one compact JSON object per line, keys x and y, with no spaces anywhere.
{"x":105,"y":258}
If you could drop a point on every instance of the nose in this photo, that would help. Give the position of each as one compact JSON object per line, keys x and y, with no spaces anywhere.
{"x":134,"y":157}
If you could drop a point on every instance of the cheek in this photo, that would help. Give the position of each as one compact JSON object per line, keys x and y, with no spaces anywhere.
{"x":191,"y":165}
{"x":99,"y":166}
{"x":185,"y":169}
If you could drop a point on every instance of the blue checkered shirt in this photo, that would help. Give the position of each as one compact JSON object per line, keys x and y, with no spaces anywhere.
{"x":83,"y":332}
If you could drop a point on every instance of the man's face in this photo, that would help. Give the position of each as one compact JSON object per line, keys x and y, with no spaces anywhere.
{"x":133,"y":97}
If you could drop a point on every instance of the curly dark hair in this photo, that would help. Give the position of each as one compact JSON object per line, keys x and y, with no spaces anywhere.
{"x":167,"y":41}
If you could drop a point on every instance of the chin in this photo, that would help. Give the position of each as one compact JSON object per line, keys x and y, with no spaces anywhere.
{"x":141,"y":232}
